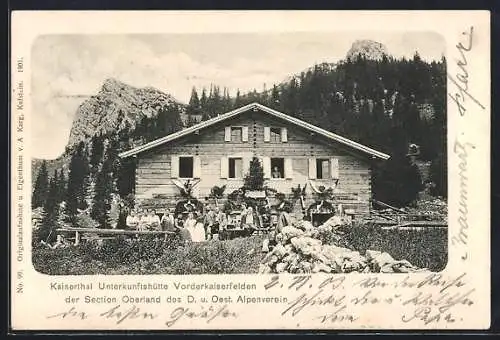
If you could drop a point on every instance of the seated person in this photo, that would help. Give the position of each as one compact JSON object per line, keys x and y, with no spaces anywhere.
{"x":154,"y":222}
{"x":132,"y":220}
{"x":61,"y":242}
{"x":143,"y":221}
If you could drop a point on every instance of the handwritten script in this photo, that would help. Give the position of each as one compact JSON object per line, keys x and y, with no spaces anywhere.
{"x":123,"y":314}
{"x":423,"y":299}
{"x":460,"y":92}
{"x":341,"y":305}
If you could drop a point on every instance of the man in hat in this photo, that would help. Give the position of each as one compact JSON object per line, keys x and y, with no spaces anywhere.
{"x":209,"y":222}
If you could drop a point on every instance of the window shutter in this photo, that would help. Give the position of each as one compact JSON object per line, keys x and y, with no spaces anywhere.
{"x":312,"y":168}
{"x":284,"y":135}
{"x":267,"y":134}
{"x":196,"y":167}
{"x":174,"y":167}
{"x":244,"y":134}
{"x":288,"y":168}
{"x":266,"y":165}
{"x":224,"y":167}
{"x":334,"y":168}
{"x":227,"y":134}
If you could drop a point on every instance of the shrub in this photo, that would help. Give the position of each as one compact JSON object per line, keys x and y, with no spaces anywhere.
{"x":151,"y":256}
{"x":83,"y":220}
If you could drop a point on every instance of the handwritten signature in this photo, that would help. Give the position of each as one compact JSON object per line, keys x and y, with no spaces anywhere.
{"x":461,"y":79}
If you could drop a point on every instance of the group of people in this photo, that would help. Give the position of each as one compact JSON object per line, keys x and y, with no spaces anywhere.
{"x":191,"y":225}
{"x":143,"y":220}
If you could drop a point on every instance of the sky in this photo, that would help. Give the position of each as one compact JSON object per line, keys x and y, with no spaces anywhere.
{"x":66,"y":69}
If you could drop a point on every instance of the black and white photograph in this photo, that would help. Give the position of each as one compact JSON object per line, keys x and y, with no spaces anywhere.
{"x":198,"y":170}
{"x":239,"y":153}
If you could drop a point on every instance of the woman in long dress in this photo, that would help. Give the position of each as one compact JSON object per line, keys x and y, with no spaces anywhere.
{"x":190,"y":224}
{"x":198,"y":231}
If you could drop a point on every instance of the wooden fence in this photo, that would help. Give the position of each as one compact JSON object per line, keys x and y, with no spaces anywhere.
{"x":97,"y":231}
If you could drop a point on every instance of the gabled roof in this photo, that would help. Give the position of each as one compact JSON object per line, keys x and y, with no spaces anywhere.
{"x":274,"y":113}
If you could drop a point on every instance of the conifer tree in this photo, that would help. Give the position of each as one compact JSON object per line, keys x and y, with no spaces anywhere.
{"x":216,"y":102}
{"x":264,"y":97}
{"x":41,"y":187}
{"x":275,"y":98}
{"x":96,"y":150}
{"x":397,"y":182}
{"x":237,"y":100}
{"x":194,"y":103}
{"x":254,"y":180}
{"x":77,"y":181}
{"x":51,"y":208}
{"x":61,"y":185}
{"x":204,"y":104}
{"x":290,"y":98}
{"x":105,"y":186}
{"x":226,"y":101}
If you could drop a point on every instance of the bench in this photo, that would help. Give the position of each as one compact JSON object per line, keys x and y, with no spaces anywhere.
{"x":115,"y":232}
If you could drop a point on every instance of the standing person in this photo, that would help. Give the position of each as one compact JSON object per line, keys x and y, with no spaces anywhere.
{"x":132,"y":220}
{"x":190,"y":223}
{"x":243,"y":215}
{"x":181,"y":229}
{"x":198,"y":234}
{"x":248,"y":222}
{"x":209,"y":222}
{"x":168,"y":221}
{"x":220,"y":222}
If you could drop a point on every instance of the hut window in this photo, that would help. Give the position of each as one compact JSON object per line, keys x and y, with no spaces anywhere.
{"x":186,"y":167}
{"x":236,"y":134}
{"x":322,"y":168}
{"x":275,"y":135}
{"x":277,"y":167}
{"x":235,"y":167}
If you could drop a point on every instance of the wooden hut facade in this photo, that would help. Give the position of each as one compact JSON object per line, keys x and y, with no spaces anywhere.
{"x":218,"y":152}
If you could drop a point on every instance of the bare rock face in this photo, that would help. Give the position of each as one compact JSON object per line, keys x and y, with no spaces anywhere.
{"x":115,"y":106}
{"x":369,"y":49}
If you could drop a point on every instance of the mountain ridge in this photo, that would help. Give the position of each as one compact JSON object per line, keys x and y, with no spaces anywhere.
{"x":115,"y":106}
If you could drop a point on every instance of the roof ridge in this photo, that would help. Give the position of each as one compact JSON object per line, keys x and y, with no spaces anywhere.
{"x":245,"y":108}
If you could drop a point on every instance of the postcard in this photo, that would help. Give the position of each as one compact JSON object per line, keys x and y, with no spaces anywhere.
{"x":245,"y":170}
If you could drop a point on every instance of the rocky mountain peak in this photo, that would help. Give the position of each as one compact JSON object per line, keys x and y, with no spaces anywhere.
{"x":369,"y":49}
{"x":115,"y":106}
{"x":112,"y":85}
